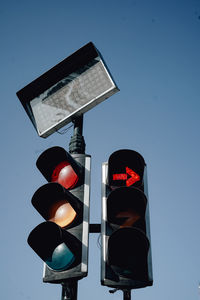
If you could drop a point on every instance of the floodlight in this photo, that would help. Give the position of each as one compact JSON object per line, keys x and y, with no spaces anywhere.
{"x":68,"y":90}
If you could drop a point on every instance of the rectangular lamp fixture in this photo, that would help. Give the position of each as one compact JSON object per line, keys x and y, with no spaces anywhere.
{"x":69,"y":89}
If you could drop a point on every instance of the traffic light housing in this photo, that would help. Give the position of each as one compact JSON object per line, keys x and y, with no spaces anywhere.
{"x":62,"y":240}
{"x":126,"y":261}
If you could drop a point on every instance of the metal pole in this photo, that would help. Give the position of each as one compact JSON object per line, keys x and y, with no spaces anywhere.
{"x":127,"y":294}
{"x":78,"y":125}
{"x":69,"y":290}
{"x":77,"y":143}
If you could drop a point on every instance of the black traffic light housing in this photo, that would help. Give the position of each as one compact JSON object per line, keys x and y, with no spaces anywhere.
{"x":62,"y":240}
{"x":126,"y":261}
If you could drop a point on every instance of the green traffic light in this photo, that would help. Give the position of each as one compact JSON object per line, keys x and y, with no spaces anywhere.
{"x":61,"y":259}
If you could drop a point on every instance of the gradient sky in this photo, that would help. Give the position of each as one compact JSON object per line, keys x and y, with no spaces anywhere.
{"x":152,"y":49}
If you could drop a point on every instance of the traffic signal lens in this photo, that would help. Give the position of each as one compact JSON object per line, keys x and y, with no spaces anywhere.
{"x":62,"y":258}
{"x":64,"y":174}
{"x":134,"y":177}
{"x":129,"y":178}
{"x":130,"y":257}
{"x":62,"y":213}
{"x":126,"y":206}
{"x":127,"y":218}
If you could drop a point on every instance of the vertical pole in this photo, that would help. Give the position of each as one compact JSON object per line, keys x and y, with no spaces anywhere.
{"x":77,"y":143}
{"x":69,"y":290}
{"x":127,"y":294}
{"x":78,"y":125}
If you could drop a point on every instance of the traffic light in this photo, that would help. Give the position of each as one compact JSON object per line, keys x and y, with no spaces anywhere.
{"x":62,"y":240}
{"x":126,"y":251}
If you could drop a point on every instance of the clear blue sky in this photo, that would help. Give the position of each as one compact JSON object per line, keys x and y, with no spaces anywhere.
{"x":152,"y":49}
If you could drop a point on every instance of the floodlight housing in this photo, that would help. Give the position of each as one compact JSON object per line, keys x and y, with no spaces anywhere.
{"x":69,"y":89}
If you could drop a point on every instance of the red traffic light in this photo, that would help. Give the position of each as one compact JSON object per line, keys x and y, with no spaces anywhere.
{"x":57,"y":165}
{"x":64,"y":174}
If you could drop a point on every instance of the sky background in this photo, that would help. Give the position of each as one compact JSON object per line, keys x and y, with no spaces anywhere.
{"x":152,"y":49}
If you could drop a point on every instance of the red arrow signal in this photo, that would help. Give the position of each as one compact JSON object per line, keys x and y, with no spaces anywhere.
{"x":134,"y":177}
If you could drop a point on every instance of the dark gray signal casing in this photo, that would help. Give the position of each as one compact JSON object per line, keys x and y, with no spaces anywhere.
{"x":81,"y":231}
{"x":109,"y":274}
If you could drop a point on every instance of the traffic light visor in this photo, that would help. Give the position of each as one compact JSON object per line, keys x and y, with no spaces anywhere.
{"x":56,"y":204}
{"x":125,"y":206}
{"x":125,"y":168}
{"x":127,"y":252}
{"x":57,"y":165}
{"x":52,"y":245}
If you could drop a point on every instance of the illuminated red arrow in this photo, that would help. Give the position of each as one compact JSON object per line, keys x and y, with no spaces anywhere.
{"x":134,"y":177}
